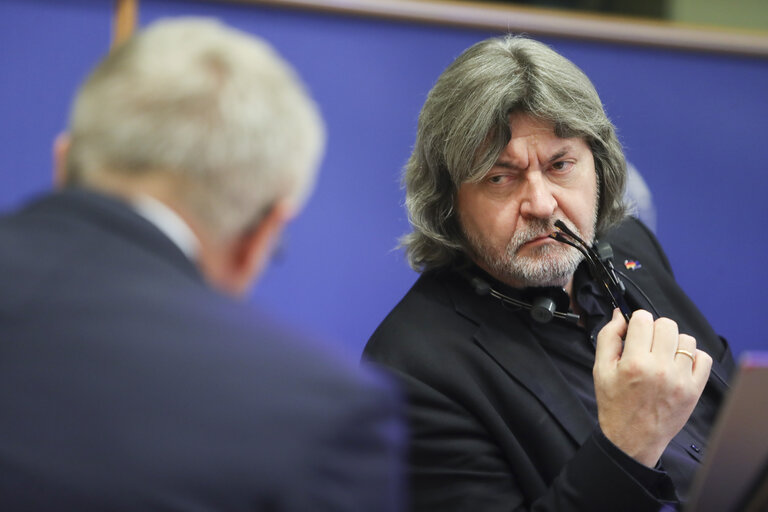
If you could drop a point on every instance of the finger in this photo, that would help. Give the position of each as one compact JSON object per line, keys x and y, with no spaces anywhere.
{"x":685,"y":353}
{"x":609,"y":340}
{"x":665,"y":339}
{"x":639,"y":334}
{"x":701,"y":368}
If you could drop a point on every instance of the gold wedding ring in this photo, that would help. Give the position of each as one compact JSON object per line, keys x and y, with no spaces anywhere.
{"x":686,"y":353}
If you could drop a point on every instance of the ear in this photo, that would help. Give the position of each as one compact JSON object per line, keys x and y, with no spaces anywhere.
{"x":60,"y":153}
{"x":252,"y":251}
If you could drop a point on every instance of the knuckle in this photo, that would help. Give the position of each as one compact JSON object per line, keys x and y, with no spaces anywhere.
{"x":687,"y":341}
{"x":642,"y":316}
{"x":684,"y":391}
{"x":679,"y":392}
{"x":703,"y":358}
{"x":633,"y":368}
{"x":662,"y":374}
{"x":665,"y":322}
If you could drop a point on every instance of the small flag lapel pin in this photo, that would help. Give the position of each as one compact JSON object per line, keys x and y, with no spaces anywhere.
{"x":632,"y":264}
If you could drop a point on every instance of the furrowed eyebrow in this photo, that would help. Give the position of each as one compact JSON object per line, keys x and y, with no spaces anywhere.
{"x":560,"y":154}
{"x":507,"y":165}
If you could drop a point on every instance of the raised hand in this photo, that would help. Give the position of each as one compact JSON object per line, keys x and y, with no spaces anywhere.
{"x":648,"y":384}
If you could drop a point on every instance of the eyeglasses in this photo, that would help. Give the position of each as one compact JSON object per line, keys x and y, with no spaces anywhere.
{"x":600,"y":268}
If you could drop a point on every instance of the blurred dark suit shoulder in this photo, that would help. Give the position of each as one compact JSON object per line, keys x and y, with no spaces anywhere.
{"x":126,"y":383}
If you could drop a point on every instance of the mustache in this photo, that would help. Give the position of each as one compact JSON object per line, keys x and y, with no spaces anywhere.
{"x":536,"y":228}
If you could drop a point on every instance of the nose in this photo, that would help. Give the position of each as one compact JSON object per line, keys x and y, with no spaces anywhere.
{"x":537,"y":199}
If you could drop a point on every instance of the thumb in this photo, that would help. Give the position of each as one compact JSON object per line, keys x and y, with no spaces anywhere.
{"x":610,"y":341}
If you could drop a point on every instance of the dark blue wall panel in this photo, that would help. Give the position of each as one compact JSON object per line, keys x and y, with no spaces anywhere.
{"x":46,"y":48}
{"x":692,"y":123}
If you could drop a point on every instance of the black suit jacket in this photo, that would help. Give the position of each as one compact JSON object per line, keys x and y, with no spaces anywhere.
{"x":494,"y":424}
{"x":126,"y":383}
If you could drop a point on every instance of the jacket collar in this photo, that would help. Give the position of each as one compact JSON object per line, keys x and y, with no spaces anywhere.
{"x":117,"y":218}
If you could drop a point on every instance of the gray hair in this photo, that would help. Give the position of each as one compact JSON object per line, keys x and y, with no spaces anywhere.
{"x":215,"y":109}
{"x":464,"y":125}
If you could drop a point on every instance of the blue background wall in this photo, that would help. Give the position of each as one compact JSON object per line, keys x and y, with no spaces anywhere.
{"x":693,"y":124}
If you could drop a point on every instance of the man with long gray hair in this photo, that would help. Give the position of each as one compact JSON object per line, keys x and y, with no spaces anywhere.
{"x":130,"y":378}
{"x":538,"y":375}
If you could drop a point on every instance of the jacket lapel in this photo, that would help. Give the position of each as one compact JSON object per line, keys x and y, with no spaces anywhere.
{"x":506,"y":339}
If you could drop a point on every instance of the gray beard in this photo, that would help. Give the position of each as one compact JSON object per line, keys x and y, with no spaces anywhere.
{"x":546,"y":265}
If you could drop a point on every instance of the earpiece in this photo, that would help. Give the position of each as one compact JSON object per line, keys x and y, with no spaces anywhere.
{"x":542,"y":310}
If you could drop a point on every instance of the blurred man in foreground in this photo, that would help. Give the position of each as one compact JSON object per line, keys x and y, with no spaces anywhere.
{"x":129,"y":377}
{"x":527,"y":389}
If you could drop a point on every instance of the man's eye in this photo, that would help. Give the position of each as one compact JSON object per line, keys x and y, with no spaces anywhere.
{"x":497,"y":179}
{"x":562,"y":165}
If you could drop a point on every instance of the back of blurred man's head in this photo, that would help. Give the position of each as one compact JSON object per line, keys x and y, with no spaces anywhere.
{"x":209,"y":118}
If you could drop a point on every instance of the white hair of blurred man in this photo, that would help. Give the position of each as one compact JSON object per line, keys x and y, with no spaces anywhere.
{"x":212,"y":111}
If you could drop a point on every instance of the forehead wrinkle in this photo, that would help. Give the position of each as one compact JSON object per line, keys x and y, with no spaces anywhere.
{"x":515,"y":159}
{"x":515,"y":155}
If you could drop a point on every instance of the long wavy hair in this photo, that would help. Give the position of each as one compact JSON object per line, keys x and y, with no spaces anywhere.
{"x":464,"y":125}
